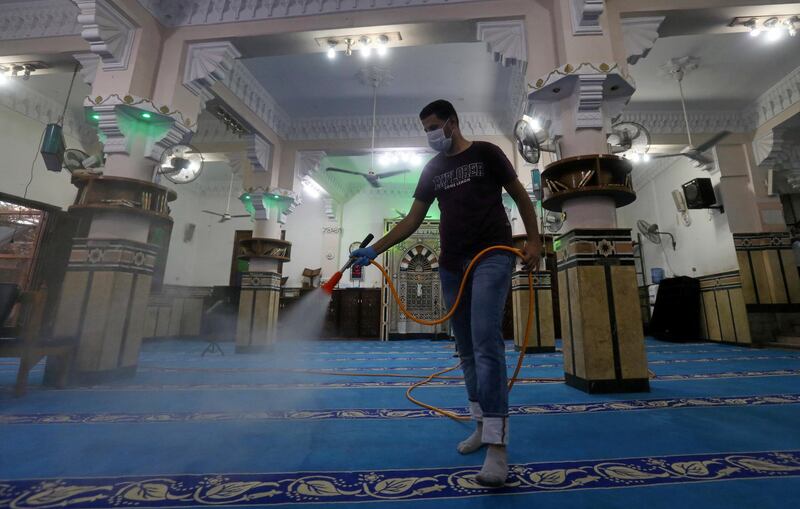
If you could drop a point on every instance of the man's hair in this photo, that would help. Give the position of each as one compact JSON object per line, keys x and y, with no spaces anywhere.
{"x":441,"y":108}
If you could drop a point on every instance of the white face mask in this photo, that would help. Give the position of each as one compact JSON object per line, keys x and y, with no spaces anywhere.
{"x":438,"y":141}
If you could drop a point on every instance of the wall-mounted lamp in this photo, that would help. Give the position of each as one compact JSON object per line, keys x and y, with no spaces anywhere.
{"x":774,"y":27}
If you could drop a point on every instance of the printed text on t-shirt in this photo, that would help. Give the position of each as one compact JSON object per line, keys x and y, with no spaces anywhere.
{"x":458,"y":176}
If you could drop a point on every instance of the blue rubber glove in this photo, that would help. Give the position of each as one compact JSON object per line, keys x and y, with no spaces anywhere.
{"x":364,"y":255}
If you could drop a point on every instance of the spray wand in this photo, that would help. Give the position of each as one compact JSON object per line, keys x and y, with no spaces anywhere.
{"x":332,"y":282}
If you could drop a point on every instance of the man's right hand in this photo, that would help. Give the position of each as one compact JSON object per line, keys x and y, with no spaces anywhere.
{"x":364,"y":256}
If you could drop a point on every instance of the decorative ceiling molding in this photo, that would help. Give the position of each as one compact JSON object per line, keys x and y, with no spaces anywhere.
{"x":404,"y":126}
{"x":505,"y":40}
{"x":784,"y":94}
{"x":259,"y":153}
{"x":308,"y":161}
{"x":38,"y":18}
{"x":586,"y":16}
{"x":89,"y":64}
{"x":671,"y":122}
{"x":108,"y":31}
{"x":762,"y":147}
{"x":241,"y":82}
{"x":204,"y":12}
{"x":639,"y":36}
{"x":206,"y":64}
{"x":45,"y":109}
{"x":779,"y":149}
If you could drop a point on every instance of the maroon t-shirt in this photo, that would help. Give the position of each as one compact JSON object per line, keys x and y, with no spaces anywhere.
{"x":469,"y":188}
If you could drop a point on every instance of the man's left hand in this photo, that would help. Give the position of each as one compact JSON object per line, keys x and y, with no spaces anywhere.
{"x":531,"y":254}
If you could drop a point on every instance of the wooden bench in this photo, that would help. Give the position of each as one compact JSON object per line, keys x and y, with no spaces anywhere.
{"x":30,"y":347}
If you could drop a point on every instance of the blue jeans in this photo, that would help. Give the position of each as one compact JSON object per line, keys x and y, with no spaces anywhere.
{"x":477,"y":324}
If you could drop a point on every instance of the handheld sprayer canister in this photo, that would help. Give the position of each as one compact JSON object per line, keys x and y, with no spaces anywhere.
{"x":334,"y":280}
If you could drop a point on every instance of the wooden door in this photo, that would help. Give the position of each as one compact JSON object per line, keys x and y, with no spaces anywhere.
{"x":370,"y":313}
{"x":349,"y":312}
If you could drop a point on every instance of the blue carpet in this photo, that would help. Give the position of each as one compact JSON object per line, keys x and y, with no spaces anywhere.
{"x":257,"y":431}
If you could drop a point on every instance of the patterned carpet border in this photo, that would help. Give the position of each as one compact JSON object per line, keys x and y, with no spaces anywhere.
{"x":395,"y":413}
{"x":391,"y":383}
{"x":174,"y":491}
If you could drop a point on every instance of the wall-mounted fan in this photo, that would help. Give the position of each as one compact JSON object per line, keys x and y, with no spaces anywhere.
{"x":371,"y":176}
{"x":227,"y":216}
{"x":531,"y":139}
{"x":651,"y":232}
{"x":553,"y":221}
{"x":629,"y":139}
{"x":181,"y":164}
{"x":78,"y":160}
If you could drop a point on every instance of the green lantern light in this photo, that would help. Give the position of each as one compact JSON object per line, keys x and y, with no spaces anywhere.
{"x":146,"y":115}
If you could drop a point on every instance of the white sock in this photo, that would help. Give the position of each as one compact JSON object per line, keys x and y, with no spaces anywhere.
{"x":495,"y":467}
{"x":473,"y":442}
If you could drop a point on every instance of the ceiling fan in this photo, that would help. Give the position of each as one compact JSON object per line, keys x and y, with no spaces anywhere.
{"x":371,"y":176}
{"x":677,"y":68}
{"x":227,"y":216}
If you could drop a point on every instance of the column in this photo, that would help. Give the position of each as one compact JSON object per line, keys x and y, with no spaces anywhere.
{"x":265,"y":252}
{"x":123,"y":234}
{"x":768,"y":270}
{"x":541,"y":337}
{"x":603,"y":340}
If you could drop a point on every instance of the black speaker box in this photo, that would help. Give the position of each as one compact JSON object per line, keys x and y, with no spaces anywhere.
{"x":699,"y":193}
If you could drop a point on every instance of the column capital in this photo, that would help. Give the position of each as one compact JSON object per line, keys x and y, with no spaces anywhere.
{"x":600,"y":91}
{"x":108,"y":31}
{"x":123,"y":120}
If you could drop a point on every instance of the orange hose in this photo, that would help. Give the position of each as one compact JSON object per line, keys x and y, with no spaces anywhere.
{"x":449,"y":314}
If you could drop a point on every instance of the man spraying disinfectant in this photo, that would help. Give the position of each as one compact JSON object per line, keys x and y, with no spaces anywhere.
{"x":467,"y":178}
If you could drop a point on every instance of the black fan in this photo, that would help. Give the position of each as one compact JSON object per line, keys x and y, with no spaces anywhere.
{"x":372,"y":177}
{"x":527,"y":143}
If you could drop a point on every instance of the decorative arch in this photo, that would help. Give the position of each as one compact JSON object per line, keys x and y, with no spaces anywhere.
{"x":419,"y":258}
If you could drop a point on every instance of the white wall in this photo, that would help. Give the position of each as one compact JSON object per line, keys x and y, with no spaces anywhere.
{"x":206,"y":259}
{"x":304,"y":231}
{"x":705,"y":247}
{"x":365,"y":214}
{"x":19,"y":143}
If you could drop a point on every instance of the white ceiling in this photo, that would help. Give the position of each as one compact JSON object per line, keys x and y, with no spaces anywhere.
{"x":734,"y":70}
{"x":311,"y":85}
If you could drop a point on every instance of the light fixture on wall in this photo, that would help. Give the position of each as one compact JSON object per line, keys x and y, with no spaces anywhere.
{"x":22,"y":70}
{"x":366,"y":44}
{"x":396,"y":156}
{"x":773,"y":27}
{"x":312,"y":188}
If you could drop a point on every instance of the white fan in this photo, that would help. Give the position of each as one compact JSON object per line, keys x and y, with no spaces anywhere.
{"x":78,"y":160}
{"x":629,"y":139}
{"x":677,"y":68}
{"x":371,"y":176}
{"x":651,"y":232}
{"x":181,"y":164}
{"x":553,"y":221}
{"x":227,"y":216}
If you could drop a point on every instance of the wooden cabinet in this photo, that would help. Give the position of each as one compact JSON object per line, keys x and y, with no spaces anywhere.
{"x":354,"y":313}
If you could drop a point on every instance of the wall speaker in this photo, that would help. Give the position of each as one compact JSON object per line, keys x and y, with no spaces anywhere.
{"x":188,"y":232}
{"x":699,"y":193}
